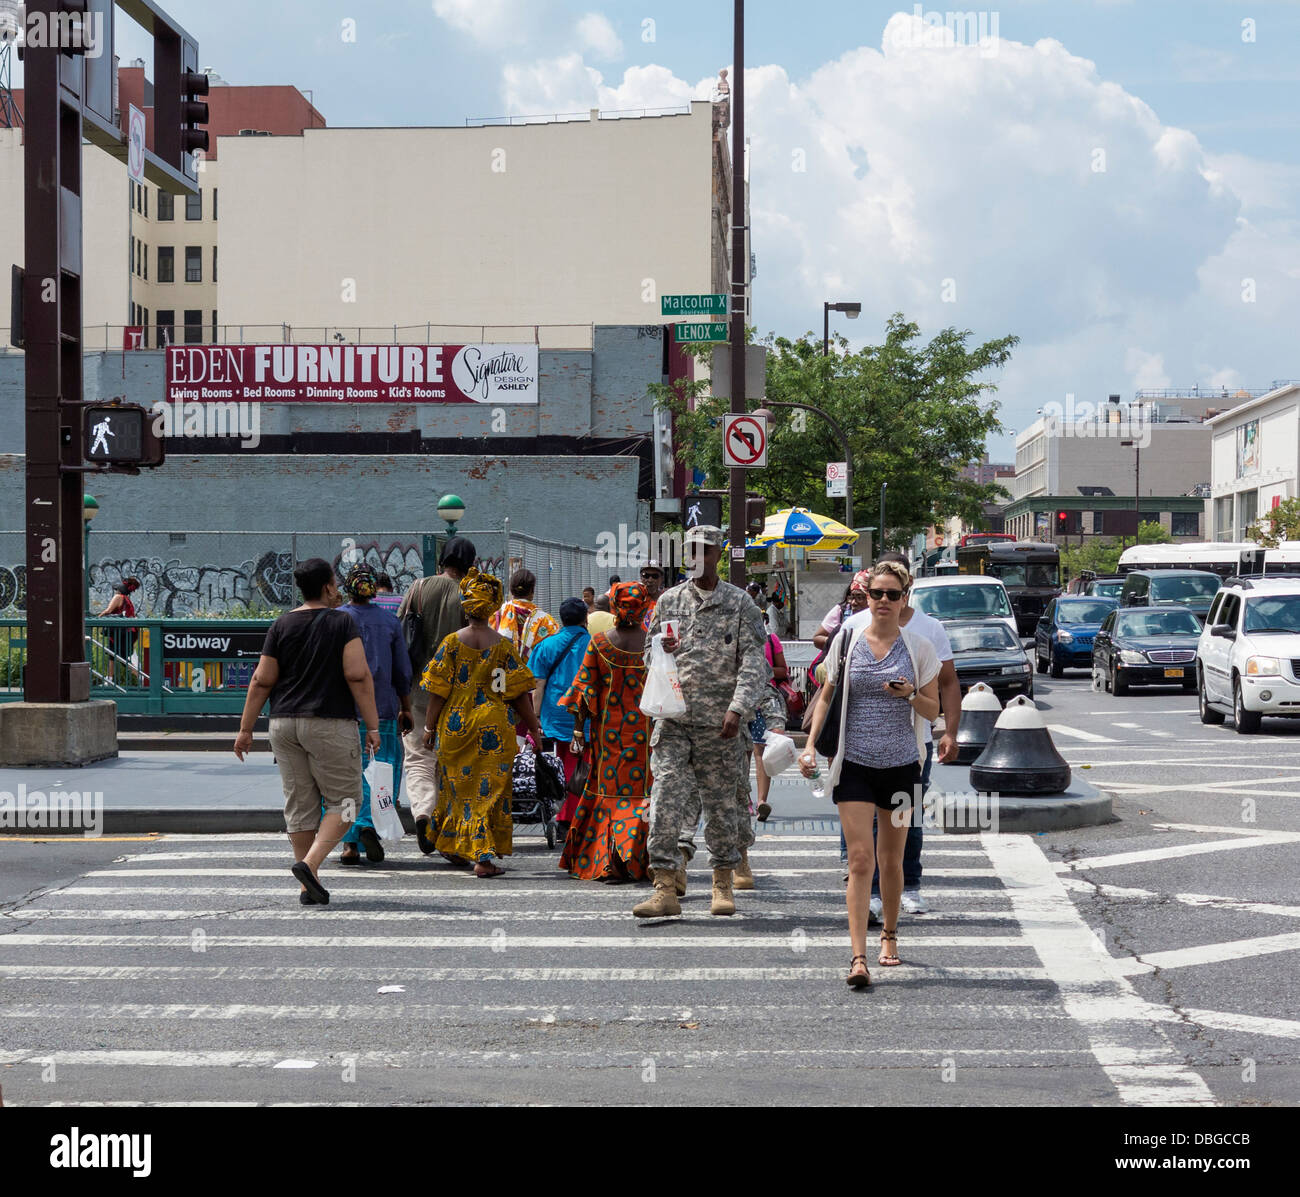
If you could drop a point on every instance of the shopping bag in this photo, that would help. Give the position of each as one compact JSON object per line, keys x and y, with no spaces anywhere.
{"x":779,"y":754}
{"x":383,"y":810}
{"x":661,"y":698}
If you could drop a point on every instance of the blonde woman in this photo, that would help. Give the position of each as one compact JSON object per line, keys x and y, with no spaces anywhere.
{"x":891,"y":687}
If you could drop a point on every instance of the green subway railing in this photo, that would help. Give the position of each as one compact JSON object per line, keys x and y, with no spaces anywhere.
{"x":154,"y":666}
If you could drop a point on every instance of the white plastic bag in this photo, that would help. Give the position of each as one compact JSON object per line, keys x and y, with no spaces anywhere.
{"x":662,"y":696}
{"x":779,"y":754}
{"x":383,"y":810}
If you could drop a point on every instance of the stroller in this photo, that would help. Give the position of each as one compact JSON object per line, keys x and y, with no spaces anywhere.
{"x":537,"y":791}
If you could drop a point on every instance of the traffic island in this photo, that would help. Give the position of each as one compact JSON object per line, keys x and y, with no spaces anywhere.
{"x":965,"y":811}
{"x":57,"y":734}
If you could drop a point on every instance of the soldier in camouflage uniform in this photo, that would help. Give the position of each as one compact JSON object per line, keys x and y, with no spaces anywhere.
{"x":697,"y":760}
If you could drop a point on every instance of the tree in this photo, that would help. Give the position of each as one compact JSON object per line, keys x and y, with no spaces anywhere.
{"x":913,"y":414}
{"x":1277,"y":524}
{"x":1102,"y":556}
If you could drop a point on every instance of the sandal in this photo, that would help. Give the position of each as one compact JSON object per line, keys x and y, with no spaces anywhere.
{"x":350,"y":858}
{"x":860,"y":980}
{"x":764,"y":810}
{"x":491,"y":870}
{"x":888,"y":959}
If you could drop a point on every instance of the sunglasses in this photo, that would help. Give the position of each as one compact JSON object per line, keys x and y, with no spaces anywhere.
{"x":892,"y":595}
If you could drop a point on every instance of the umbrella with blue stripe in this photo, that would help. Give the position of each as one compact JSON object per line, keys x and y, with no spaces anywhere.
{"x":799,"y":527}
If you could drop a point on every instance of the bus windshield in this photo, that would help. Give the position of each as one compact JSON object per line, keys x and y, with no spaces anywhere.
{"x":962,"y":602}
{"x":1022,"y":573}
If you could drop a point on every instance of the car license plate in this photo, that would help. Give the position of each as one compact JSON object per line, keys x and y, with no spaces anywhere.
{"x":1173,"y":673}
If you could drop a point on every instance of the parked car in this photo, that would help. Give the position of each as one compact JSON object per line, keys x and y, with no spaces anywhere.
{"x":1191,"y":588}
{"x":1145,"y":646}
{"x":1248,"y":655}
{"x":963,"y":596}
{"x":1063,"y":638}
{"x":988,"y":651}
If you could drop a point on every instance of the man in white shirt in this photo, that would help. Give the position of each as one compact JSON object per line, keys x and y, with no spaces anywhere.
{"x":950,"y":704}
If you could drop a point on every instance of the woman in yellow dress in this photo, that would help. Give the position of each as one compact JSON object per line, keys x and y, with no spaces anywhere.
{"x":474,"y":676}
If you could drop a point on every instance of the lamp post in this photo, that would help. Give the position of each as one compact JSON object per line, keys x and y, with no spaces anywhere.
{"x":451,"y":508}
{"x":851,"y":310}
{"x":89,"y":508}
{"x":766,"y":413}
{"x":884,"y":486}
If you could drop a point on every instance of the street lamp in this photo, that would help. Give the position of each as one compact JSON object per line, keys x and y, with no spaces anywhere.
{"x":89,"y":508}
{"x":851,"y":310}
{"x":452,"y":509}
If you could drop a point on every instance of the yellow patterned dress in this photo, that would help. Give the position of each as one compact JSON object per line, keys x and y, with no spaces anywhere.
{"x":476,"y":745}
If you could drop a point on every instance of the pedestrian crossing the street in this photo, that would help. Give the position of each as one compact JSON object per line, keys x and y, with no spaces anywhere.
{"x":186,"y":969}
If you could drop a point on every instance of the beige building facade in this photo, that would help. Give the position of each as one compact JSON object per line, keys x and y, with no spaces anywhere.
{"x":1255,"y":461}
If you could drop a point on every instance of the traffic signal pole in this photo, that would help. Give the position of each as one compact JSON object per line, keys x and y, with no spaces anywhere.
{"x":739,"y":405}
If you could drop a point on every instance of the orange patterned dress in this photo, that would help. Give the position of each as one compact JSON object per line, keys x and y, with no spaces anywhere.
{"x":607,"y":838}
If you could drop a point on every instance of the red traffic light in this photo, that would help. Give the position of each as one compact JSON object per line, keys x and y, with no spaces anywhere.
{"x":1062,"y":516}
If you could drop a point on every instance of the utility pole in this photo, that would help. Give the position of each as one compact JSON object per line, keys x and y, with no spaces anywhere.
{"x":739,"y":265}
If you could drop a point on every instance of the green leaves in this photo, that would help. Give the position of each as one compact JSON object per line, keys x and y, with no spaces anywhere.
{"x":1277,"y":524}
{"x":1102,"y":556}
{"x":914,"y":415}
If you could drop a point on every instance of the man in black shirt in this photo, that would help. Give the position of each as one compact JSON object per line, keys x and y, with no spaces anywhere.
{"x":313,"y":668}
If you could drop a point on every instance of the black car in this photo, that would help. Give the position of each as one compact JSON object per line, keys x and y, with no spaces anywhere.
{"x":987,"y":651}
{"x":1146,"y":646}
{"x":1063,"y":638}
{"x":1107,"y":587}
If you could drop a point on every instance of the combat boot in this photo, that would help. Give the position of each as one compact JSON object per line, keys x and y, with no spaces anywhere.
{"x":744,"y":878}
{"x":679,"y":876}
{"x":723,"y":900}
{"x":662,"y":903}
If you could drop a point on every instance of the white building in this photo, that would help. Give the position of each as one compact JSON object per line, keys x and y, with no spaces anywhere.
{"x":1255,"y":455}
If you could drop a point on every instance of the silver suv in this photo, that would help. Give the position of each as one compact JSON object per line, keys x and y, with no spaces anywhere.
{"x":1248,"y":656}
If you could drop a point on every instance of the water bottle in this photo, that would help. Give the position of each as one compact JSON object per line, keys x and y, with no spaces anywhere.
{"x":816,"y":782}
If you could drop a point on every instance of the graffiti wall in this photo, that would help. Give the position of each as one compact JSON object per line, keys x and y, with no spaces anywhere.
{"x":177,"y":588}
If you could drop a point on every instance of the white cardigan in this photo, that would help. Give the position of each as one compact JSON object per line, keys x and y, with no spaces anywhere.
{"x":925,"y":668}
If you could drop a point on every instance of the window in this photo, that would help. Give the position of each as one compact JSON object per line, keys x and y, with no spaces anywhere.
{"x":166,"y":263}
{"x":135,"y":256}
{"x":166,"y":327}
{"x":1247,"y":510}
{"x":214,"y":263}
{"x":214,"y":326}
{"x":214,"y":203}
{"x":146,"y":200}
{"x":193,"y":327}
{"x":1223,"y":518}
{"x":144,"y":321}
{"x":144,"y":260}
{"x":1185,"y":523}
{"x":194,"y":206}
{"x":193,"y":263}
{"x":166,"y":205}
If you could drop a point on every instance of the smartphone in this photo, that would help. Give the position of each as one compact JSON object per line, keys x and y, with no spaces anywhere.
{"x":898,"y":681}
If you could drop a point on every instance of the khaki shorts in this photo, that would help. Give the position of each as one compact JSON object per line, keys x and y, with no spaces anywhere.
{"x":320,"y":761}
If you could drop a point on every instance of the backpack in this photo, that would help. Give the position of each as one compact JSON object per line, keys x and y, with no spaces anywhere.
{"x":413,"y":631}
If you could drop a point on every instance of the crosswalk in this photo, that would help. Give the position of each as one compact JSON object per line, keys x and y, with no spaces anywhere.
{"x":185,"y":970}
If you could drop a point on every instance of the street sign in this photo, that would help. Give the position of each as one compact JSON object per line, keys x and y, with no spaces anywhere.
{"x":135,"y":145}
{"x":744,"y":442}
{"x":211,"y":642}
{"x":837,"y":479}
{"x":686,"y":333}
{"x":695,"y":305}
{"x":702,"y":511}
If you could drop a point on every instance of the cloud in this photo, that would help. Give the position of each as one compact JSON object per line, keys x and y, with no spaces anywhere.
{"x":493,"y":22}
{"x":1004,"y":188}
{"x":596,"y":34}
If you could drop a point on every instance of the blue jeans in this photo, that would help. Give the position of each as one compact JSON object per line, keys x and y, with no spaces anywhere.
{"x":912,"y":849}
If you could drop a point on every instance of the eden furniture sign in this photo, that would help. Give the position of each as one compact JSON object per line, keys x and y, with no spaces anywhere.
{"x":353,"y":373}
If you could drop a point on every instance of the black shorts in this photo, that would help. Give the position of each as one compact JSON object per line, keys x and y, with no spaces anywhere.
{"x":889,"y":789}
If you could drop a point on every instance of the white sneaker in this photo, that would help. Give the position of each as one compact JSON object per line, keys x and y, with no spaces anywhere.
{"x":913,"y":903}
{"x":876,"y":910}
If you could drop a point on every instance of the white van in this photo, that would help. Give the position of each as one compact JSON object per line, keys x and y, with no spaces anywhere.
{"x":964,"y":596}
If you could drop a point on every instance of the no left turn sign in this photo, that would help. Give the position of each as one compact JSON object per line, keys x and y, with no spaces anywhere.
{"x":744,"y":442}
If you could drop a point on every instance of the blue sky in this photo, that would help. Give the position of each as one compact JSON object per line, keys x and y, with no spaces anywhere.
{"x":959,"y":186}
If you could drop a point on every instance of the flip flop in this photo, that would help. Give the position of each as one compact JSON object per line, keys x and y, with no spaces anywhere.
{"x":494,"y":871}
{"x":315,"y":890}
{"x":370,"y":842}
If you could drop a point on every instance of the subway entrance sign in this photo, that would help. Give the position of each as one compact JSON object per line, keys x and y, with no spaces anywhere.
{"x":717,"y":331}
{"x":695,"y":305}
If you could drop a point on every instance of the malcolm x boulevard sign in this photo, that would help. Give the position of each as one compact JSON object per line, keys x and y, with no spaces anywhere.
{"x":353,"y":373}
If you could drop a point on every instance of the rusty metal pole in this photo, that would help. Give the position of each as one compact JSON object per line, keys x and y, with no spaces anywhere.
{"x":739,"y":265}
{"x":56,"y":667}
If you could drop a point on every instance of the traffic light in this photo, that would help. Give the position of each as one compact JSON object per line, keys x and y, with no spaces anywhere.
{"x":123,"y":435}
{"x":1061,"y":518}
{"x":193,"y":112}
{"x":178,"y":114}
{"x":755,"y":515}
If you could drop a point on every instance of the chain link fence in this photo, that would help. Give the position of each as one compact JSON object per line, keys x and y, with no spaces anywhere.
{"x":240,"y":575}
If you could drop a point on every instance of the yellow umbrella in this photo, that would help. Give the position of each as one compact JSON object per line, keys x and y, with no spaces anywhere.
{"x":801,"y":528}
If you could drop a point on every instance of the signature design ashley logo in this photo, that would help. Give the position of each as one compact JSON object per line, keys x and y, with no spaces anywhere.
{"x":483,"y":374}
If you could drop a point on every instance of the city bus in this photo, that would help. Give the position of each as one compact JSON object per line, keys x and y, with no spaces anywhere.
{"x":983,"y":538}
{"x":1225,"y":558}
{"x":1029,"y":569}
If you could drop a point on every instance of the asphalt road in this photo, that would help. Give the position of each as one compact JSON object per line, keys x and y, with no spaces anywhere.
{"x":1148,"y":962}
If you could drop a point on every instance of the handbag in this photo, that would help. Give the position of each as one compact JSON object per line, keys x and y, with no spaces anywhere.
{"x":577,"y":784}
{"x":794,"y":702}
{"x":828,"y":739}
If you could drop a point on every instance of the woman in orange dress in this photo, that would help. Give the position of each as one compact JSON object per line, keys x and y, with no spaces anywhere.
{"x":607,"y":838}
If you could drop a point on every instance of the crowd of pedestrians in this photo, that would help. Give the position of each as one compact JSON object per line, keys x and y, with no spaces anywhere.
{"x":447,"y":683}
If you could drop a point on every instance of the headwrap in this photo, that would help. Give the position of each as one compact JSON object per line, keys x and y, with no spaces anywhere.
{"x":861,"y":581}
{"x":628,"y":601}
{"x":362,"y":582}
{"x":480,"y":594}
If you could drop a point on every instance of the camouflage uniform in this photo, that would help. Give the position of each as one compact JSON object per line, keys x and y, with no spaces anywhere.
{"x":722,"y":668}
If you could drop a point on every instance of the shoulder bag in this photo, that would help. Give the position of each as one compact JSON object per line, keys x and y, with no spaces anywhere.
{"x":828,"y":739}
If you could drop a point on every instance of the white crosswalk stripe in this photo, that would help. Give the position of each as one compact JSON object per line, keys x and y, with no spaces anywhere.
{"x":193,"y":954}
